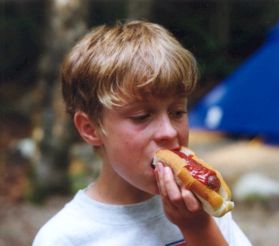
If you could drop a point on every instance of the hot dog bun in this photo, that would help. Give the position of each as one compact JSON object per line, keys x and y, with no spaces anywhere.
{"x":214,"y":202}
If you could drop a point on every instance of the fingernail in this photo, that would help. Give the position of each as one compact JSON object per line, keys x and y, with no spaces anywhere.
{"x":159,"y":167}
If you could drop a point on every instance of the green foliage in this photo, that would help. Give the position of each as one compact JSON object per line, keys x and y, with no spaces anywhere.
{"x":107,"y":11}
{"x":20,"y":28}
{"x":21,"y":25}
{"x":195,"y":24}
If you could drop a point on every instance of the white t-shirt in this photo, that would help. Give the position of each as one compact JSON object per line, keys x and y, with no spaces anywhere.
{"x":84,"y":221}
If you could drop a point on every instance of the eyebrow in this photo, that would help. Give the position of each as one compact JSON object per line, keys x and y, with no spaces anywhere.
{"x":133,"y":106}
{"x":147,"y":104}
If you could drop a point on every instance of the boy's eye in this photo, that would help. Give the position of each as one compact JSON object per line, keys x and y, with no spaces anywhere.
{"x":178,"y":113}
{"x":141,"y":117}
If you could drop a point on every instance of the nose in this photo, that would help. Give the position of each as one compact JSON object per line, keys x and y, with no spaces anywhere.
{"x":165,"y":130}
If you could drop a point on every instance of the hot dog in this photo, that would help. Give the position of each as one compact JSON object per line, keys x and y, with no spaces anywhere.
{"x":198,"y":176}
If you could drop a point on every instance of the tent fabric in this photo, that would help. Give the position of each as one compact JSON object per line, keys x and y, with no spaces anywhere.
{"x":247,"y":102}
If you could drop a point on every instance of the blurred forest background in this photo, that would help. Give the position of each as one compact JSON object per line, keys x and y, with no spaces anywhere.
{"x":40,"y":152}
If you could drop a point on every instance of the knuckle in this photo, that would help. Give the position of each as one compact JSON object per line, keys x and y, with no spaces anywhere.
{"x":190,"y":200}
{"x":186,"y":194}
{"x":176,"y":198}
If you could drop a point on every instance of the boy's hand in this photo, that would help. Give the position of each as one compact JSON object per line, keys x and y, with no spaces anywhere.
{"x":184,"y":210}
{"x":180,"y":204}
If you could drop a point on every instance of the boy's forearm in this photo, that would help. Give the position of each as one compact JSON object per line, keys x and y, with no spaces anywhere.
{"x":203,"y":231}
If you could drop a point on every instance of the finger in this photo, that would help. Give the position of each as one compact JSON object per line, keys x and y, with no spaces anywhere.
{"x":160,"y":179}
{"x":191,"y":202}
{"x":173,"y":190}
{"x":173,"y":195}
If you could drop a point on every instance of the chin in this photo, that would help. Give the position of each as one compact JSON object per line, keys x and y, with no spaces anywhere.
{"x":156,"y":192}
{"x":152,"y":190}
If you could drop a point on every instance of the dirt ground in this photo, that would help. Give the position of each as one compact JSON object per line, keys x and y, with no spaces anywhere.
{"x":259,"y":220}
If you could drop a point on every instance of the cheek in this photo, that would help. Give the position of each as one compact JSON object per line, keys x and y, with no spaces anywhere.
{"x":124,"y":148}
{"x":130,"y":150}
{"x":183,"y":133}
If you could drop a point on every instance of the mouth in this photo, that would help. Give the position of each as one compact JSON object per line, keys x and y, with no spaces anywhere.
{"x":152,"y":163}
{"x":153,"y":160}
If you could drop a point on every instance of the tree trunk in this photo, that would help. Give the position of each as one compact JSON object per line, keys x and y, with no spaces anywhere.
{"x":66,"y":22}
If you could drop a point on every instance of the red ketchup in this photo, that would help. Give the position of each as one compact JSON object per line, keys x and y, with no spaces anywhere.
{"x":199,"y":172}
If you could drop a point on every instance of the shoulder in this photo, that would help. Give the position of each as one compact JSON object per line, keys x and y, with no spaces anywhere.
{"x":63,"y":227}
{"x":57,"y":231}
{"x":231,"y":231}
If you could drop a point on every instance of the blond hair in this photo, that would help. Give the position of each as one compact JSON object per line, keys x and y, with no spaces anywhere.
{"x":113,"y":65}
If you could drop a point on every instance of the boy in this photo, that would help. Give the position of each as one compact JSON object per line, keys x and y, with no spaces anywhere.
{"x":126,"y":87}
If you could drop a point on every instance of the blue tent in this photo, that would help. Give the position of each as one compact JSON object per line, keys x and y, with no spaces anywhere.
{"x":247,"y":102}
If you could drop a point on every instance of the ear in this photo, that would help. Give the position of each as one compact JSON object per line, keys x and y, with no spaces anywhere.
{"x":87,"y":129}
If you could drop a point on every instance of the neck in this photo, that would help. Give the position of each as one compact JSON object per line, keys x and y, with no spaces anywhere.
{"x":111,"y":188}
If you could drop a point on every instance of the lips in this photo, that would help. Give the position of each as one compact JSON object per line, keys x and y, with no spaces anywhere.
{"x":152,"y":163}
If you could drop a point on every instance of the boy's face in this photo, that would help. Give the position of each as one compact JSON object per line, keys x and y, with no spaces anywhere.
{"x":135,"y":131}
